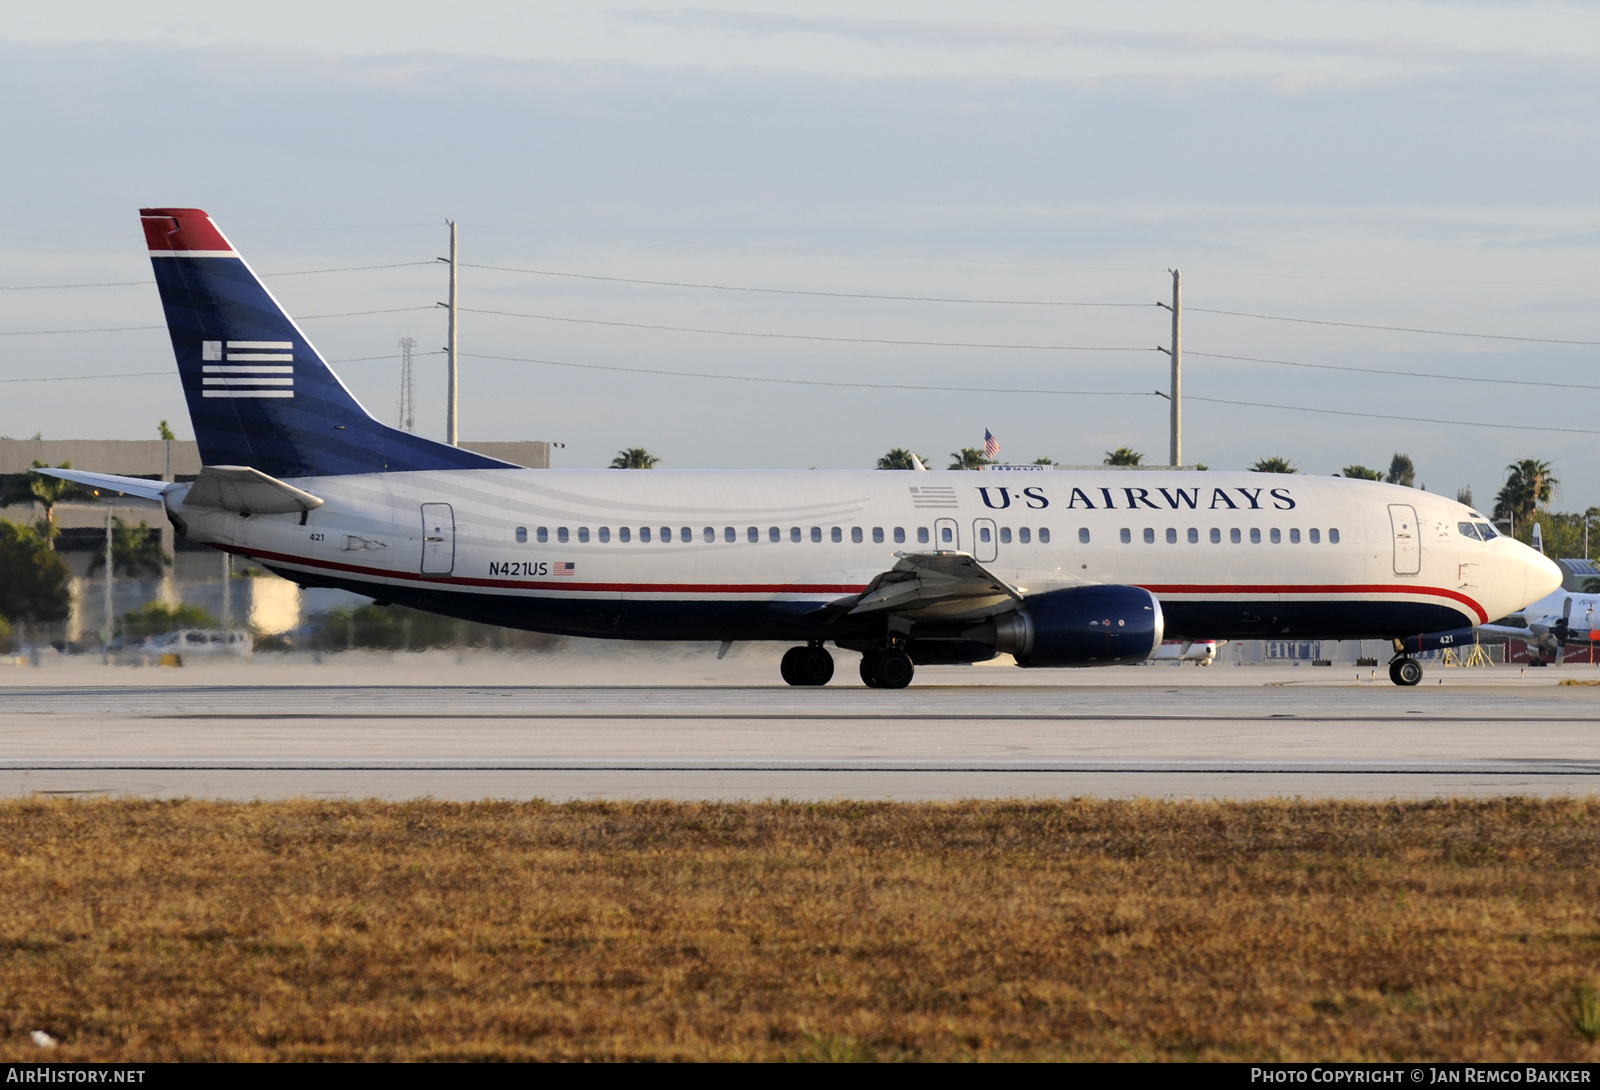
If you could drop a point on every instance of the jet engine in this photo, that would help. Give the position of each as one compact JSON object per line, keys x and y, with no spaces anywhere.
{"x":1082,"y":626}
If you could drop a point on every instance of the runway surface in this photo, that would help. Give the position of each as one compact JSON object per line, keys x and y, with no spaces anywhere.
{"x":1183,"y":734}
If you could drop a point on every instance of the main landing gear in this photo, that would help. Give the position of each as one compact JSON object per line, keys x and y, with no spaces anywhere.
{"x":1405,"y":670}
{"x":809,"y":665}
{"x":887,"y":668}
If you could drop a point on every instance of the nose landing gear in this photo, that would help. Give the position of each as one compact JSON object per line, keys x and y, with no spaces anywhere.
{"x":809,"y":665}
{"x":1405,"y":670}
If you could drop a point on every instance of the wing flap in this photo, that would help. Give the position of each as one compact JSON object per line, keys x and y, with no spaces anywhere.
{"x":948,"y":584}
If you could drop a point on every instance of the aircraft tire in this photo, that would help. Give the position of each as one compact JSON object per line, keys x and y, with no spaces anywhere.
{"x":815,"y":665}
{"x":789,"y":666}
{"x":1405,"y":672}
{"x":891,"y":669}
{"x":868,"y":678}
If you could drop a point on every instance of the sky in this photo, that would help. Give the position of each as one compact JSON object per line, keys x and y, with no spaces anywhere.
{"x":960,"y":217}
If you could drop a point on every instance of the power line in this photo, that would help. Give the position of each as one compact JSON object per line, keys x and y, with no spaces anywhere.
{"x":797,"y":291}
{"x":811,"y":336}
{"x":1393,"y":328}
{"x":1390,"y":372}
{"x":808,"y":382}
{"x":81,"y":378}
{"x":87,"y":329}
{"x":1389,"y":416}
{"x":140,"y":283}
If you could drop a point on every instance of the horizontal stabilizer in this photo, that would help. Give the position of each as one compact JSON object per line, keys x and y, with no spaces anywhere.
{"x":109,"y":482}
{"x":247,"y":491}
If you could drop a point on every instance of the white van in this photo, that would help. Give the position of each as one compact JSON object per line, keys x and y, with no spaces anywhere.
{"x":203,"y":641}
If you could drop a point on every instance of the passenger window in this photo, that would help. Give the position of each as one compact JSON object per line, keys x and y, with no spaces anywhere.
{"x":1316,"y":537}
{"x":729,"y":534}
{"x":1083,"y":535}
{"x":1127,"y":535}
{"x":1294,"y":537}
{"x":583,"y":535}
{"x":1025,"y":535}
{"x":774,"y":535}
{"x":983,"y":534}
{"x":544,"y":534}
{"x":1044,"y":535}
{"x":1172,"y":536}
{"x":1216,"y":536}
{"x":623,"y":534}
{"x":1468,"y":530}
{"x":1194,"y":536}
{"x":644,"y":533}
{"x":946,"y":537}
{"x":794,"y":533}
{"x":561,"y":535}
{"x":711,"y":534}
{"x":1149,"y":536}
{"x":1255,"y":535}
{"x":1277,"y":536}
{"x":522,"y":535}
{"x":666,"y":535}
{"x":753,"y":534}
{"x":836,"y":534}
{"x":605,"y":534}
{"x":877,"y":535}
{"x":855,"y":534}
{"x":899,"y":535}
{"x":685,"y":534}
{"x":1005,"y":535}
{"x":816,"y":533}
{"x":1333,"y":537}
{"x":1233,"y":535}
{"x":922,"y":535}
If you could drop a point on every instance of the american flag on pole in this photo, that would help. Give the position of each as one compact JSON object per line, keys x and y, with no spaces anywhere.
{"x":991,"y":445}
{"x":561,"y":567}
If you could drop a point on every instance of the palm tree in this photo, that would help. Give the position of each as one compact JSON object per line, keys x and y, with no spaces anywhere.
{"x":1464,"y":496}
{"x":968,"y":458}
{"x":1124,"y":456}
{"x":1401,"y":470}
{"x":135,"y":551}
{"x":1274,"y":465}
{"x":35,"y":487}
{"x":1528,"y":484}
{"x":634,"y":458}
{"x":1360,"y":473}
{"x":900,"y":458}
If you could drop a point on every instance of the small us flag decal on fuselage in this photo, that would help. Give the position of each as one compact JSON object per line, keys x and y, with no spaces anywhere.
{"x":252,"y":368}
{"x":562,"y":567}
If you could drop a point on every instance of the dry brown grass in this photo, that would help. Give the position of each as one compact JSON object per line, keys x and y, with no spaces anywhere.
{"x":1093,"y":930}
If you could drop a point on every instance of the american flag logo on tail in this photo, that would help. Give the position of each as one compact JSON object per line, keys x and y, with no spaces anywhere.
{"x":991,"y":445}
{"x":562,"y":567}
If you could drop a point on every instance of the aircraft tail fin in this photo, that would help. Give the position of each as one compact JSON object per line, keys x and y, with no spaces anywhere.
{"x":259,"y":394}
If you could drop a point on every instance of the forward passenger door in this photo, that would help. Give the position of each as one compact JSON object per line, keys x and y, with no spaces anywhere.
{"x":1407,"y":543}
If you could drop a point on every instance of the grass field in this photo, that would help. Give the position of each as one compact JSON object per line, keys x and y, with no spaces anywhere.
{"x":1083,"y":930}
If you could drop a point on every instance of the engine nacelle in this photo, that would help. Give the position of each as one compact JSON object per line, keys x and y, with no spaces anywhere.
{"x":1082,"y":626}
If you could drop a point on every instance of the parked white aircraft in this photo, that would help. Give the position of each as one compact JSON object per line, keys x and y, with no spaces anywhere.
{"x":1549,"y":624}
{"x":1057,"y":569}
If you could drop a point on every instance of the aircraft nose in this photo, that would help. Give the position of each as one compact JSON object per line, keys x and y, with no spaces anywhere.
{"x":1542,"y":576}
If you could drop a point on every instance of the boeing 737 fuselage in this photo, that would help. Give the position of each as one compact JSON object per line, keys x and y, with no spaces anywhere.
{"x":1056,"y":568}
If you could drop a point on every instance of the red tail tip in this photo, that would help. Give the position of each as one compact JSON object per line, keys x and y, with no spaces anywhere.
{"x":186,"y":229}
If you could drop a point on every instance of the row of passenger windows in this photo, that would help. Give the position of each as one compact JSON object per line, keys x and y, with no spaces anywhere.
{"x":1235,"y":535}
{"x":753,"y":534}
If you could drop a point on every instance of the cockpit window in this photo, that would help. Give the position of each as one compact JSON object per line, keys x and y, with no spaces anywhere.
{"x":1485,"y":530}
{"x":1468,"y":530}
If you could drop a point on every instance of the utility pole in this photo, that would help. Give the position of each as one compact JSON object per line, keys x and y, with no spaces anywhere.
{"x":1176,"y":352}
{"x":408,"y":399}
{"x":105,"y":629}
{"x":451,"y":436}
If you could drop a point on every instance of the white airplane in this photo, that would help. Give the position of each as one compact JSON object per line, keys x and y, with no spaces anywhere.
{"x":1201,"y":652}
{"x":1549,"y":624}
{"x":1064,"y":568}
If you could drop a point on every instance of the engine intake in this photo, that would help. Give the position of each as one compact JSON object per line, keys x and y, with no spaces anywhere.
{"x":1082,"y":626}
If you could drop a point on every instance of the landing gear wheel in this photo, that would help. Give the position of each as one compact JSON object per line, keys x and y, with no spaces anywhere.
{"x":889,"y":669}
{"x":1406,"y":671}
{"x":806,"y":666}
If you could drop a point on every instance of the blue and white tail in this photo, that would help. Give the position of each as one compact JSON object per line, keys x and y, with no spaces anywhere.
{"x":259,"y":394}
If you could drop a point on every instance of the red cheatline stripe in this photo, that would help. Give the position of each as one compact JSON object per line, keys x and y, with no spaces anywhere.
{"x":1317,"y":588}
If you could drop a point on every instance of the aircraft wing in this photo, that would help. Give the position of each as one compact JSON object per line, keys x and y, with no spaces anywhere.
{"x":110,"y":482}
{"x":933,"y":586}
